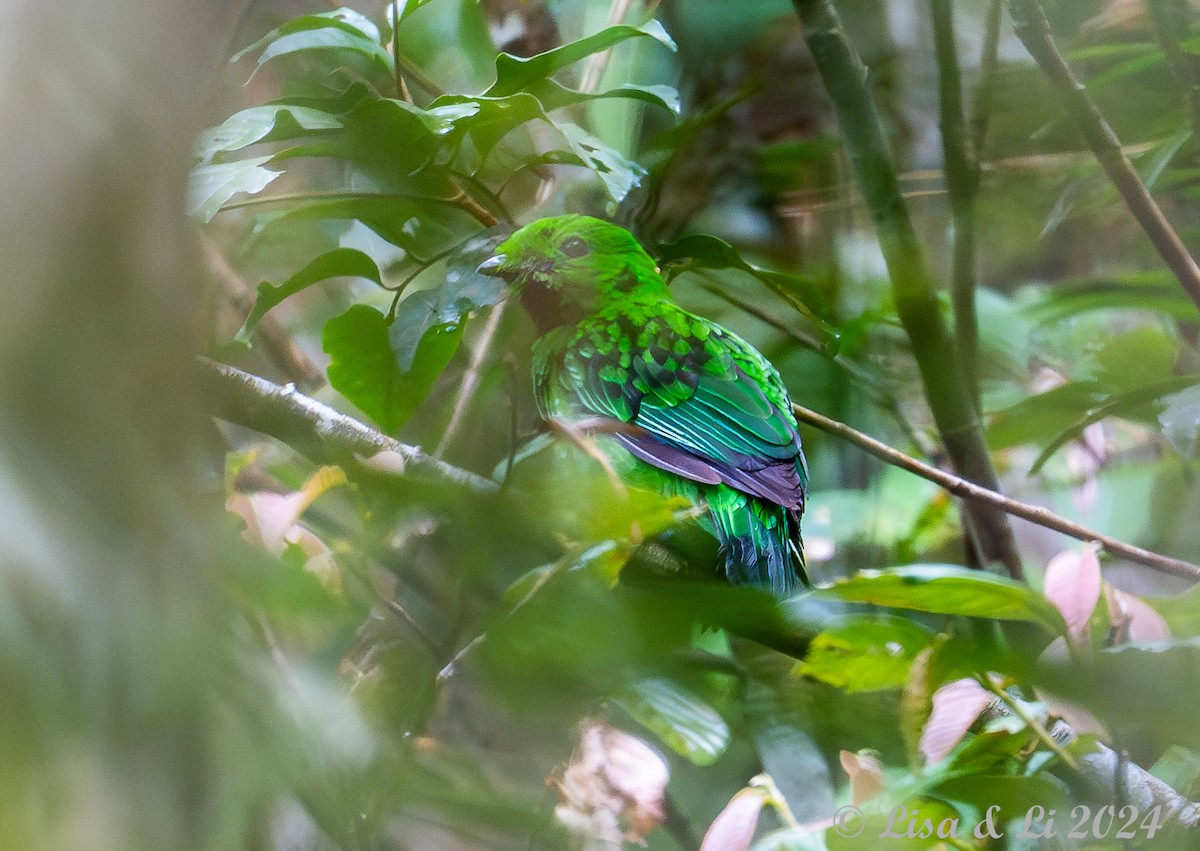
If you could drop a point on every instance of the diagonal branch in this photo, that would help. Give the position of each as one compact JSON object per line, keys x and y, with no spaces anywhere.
{"x":1031,"y":26}
{"x":968,"y":490}
{"x":317,"y":430}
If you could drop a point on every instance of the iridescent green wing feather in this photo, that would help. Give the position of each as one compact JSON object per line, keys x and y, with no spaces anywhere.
{"x":702,"y":403}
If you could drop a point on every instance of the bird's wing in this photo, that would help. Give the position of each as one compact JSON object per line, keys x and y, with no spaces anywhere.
{"x":700,"y":402}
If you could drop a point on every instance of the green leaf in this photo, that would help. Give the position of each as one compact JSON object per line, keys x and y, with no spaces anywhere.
{"x":516,"y":73}
{"x":702,"y":251}
{"x":211,"y":185}
{"x":271,"y":123}
{"x":341,"y":262}
{"x":865,"y":652}
{"x":463,"y":292}
{"x":364,"y":368}
{"x":683,"y":721}
{"x":948,"y":590}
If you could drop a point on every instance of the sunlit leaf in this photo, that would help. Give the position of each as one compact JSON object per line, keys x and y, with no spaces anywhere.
{"x":344,"y":19}
{"x":554,"y":95}
{"x":618,"y":173}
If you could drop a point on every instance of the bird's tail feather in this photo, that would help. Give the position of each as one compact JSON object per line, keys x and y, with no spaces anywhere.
{"x":760,"y":542}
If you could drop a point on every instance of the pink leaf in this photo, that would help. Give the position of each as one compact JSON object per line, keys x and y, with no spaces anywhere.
{"x":956,"y":705}
{"x":1072,"y":584}
{"x":733,"y":828}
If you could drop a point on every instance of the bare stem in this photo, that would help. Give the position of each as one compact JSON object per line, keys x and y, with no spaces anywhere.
{"x":970,"y":491}
{"x":1033,"y":29}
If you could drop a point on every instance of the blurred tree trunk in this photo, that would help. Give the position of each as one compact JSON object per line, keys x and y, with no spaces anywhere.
{"x":117,"y":668}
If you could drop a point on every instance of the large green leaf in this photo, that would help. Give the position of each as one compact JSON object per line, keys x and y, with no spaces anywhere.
{"x":365,"y":369}
{"x":683,"y":721}
{"x":211,"y":185}
{"x":517,"y":73}
{"x":341,"y":262}
{"x":948,"y":590}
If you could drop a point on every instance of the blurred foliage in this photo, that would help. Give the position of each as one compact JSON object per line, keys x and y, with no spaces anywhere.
{"x":418,"y":665}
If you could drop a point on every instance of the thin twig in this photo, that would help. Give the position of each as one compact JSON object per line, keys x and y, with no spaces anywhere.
{"x":470,"y":381}
{"x":968,"y":490}
{"x":1033,"y":29}
{"x":317,"y":430}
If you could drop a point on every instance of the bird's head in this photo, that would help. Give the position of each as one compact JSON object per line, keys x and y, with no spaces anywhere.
{"x":565,"y":267}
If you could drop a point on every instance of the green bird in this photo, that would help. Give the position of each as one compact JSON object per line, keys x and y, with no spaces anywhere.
{"x":695,"y":410}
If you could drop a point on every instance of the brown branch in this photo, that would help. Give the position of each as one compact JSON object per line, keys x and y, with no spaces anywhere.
{"x":1031,"y":26}
{"x":968,"y":490}
{"x":317,"y":430}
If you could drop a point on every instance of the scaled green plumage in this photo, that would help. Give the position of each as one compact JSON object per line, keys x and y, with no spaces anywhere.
{"x":704,"y":414}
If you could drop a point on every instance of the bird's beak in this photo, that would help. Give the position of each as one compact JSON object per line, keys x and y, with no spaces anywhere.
{"x":492,"y":266}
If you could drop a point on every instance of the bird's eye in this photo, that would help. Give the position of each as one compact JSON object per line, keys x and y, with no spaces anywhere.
{"x":574,"y":247}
